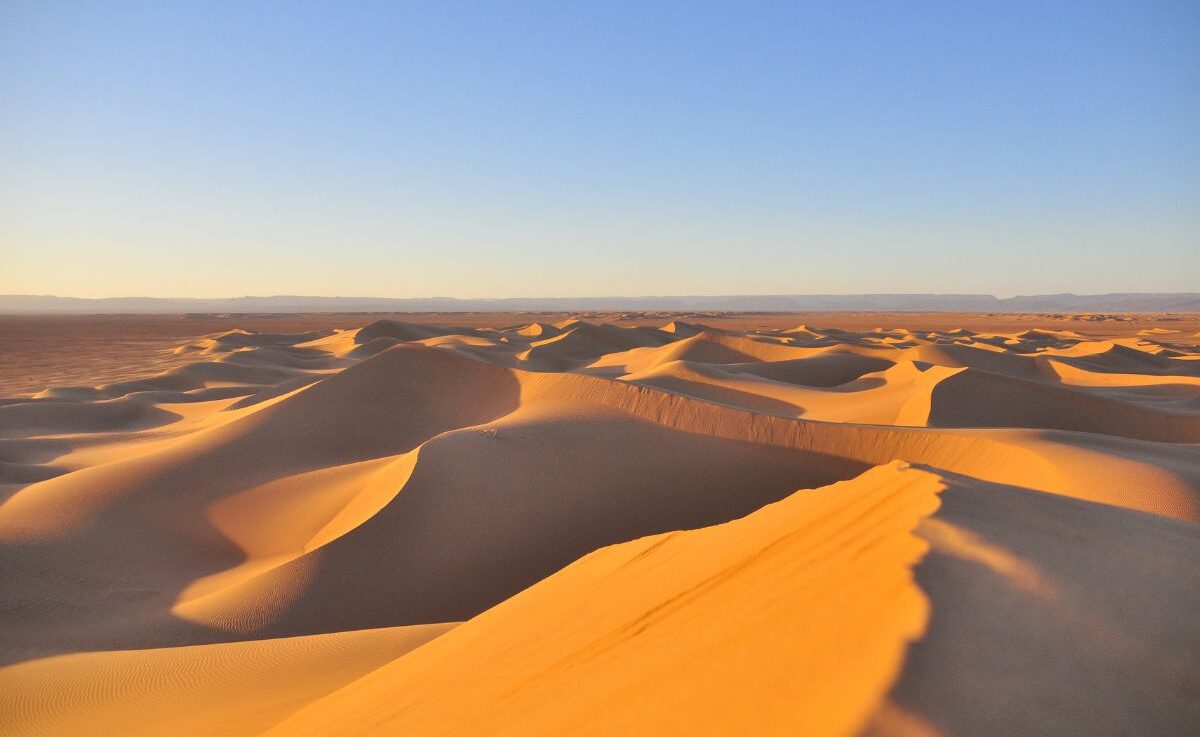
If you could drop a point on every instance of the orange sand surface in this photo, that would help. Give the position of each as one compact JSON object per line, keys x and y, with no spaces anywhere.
{"x":876,"y":524}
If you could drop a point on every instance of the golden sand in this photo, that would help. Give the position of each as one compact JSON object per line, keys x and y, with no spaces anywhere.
{"x":580,"y":526}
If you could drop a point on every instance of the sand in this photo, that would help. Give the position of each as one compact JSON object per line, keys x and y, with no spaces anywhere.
{"x":624,"y":524}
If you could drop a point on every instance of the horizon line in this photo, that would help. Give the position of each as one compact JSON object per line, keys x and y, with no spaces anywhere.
{"x":721,"y":295}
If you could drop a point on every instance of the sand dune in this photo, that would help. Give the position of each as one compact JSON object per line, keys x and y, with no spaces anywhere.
{"x":810,"y":601}
{"x":619,"y":516}
{"x":239,"y":688}
{"x":822,"y":576}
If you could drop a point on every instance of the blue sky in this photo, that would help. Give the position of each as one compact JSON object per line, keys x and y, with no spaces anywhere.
{"x":538,"y":149}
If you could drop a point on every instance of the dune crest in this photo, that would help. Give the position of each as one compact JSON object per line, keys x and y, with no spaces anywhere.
{"x":815,"y":585}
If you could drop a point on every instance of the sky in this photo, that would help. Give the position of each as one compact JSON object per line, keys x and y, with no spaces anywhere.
{"x":412,"y":149}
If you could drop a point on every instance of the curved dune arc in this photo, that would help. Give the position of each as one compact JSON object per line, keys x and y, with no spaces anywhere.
{"x":979,"y":398}
{"x":491,"y":509}
{"x":621,"y":626}
{"x":798,"y":614}
{"x":382,"y":406}
{"x":1048,"y":463}
{"x":110,"y":548}
{"x":283,"y":519}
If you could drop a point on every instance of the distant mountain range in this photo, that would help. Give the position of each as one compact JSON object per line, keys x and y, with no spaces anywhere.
{"x":1117,"y":302}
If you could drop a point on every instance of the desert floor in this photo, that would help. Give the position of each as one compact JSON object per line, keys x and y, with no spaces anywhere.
{"x":903,"y":524}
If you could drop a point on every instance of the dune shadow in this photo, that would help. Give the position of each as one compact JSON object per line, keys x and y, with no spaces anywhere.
{"x":1089,"y":639}
{"x":110,"y":584}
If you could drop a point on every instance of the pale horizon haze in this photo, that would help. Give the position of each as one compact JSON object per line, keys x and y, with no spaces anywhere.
{"x":191,"y":149}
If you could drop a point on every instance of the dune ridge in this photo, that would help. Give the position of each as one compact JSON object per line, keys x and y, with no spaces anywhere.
{"x":330,"y":499}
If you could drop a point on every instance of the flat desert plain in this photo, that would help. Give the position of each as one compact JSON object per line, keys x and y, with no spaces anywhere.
{"x":834,"y":524}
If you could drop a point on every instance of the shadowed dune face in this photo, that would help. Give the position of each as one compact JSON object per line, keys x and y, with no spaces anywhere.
{"x":1077,"y":593}
{"x":278,"y":492}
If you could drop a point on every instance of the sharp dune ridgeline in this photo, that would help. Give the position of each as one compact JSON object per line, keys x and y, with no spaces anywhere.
{"x":587,"y":526}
